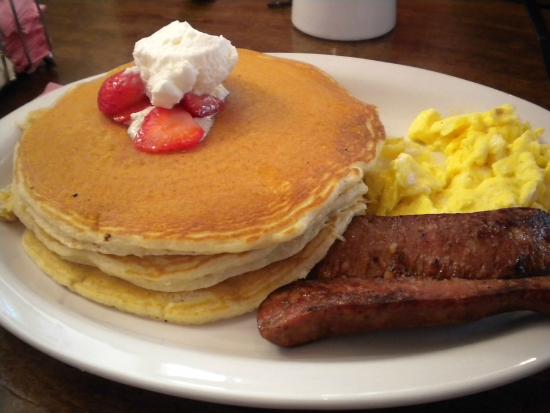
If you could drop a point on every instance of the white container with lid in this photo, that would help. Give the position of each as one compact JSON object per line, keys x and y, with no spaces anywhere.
{"x":344,"y":19}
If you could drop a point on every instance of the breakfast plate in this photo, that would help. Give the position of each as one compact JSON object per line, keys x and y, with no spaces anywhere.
{"x":228,"y":362}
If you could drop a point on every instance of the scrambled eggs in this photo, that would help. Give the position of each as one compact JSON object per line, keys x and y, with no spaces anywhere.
{"x":465,"y":163}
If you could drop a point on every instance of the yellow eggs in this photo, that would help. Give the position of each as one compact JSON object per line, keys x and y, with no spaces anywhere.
{"x":465,"y":163}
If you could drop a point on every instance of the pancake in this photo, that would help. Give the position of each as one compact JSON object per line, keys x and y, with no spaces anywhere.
{"x":230,"y":298}
{"x":183,"y":272}
{"x":289,"y":143}
{"x":193,"y":237}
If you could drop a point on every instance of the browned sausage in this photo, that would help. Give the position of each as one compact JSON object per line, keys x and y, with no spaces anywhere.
{"x":309,"y":310}
{"x":506,"y":243}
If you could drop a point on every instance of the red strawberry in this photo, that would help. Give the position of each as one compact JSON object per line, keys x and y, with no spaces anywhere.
{"x":122,"y":94}
{"x":201,"y":106}
{"x":168,"y":130}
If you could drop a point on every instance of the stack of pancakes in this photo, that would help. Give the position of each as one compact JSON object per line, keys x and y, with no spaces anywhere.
{"x":196,"y":236}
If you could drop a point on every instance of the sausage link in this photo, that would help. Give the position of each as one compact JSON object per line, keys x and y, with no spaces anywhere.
{"x":309,"y":310}
{"x":506,"y":243}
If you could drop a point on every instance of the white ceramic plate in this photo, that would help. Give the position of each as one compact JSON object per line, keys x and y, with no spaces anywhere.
{"x":229,"y":362}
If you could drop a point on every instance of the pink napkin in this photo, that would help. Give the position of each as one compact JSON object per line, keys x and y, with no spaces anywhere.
{"x":51,"y":86}
{"x":23,"y":33}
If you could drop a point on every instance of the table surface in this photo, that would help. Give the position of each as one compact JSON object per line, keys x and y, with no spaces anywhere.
{"x":492,"y":42}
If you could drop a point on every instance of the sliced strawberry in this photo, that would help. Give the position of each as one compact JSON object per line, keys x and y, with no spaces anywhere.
{"x":168,"y":130}
{"x":121,"y":93}
{"x":200,"y":106}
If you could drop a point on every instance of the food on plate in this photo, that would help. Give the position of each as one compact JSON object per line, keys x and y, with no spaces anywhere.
{"x":494,"y":244}
{"x":170,"y":97}
{"x":194,"y":182}
{"x":230,"y":298}
{"x":309,"y":310}
{"x":465,"y":163}
{"x":410,"y":270}
{"x":173,"y":273}
{"x":192,"y":230}
{"x":417,"y":271}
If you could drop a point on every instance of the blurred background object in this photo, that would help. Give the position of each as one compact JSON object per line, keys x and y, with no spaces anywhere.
{"x":7,"y":71}
{"x":24,"y":42}
{"x":279,"y":4}
{"x":344,"y":19}
{"x":535,"y":9}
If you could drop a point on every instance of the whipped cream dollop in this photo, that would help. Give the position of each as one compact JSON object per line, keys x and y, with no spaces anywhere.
{"x":178,"y":59}
{"x":137,"y":121}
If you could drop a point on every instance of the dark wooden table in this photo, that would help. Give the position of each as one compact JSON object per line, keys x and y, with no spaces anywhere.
{"x":492,"y":42}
